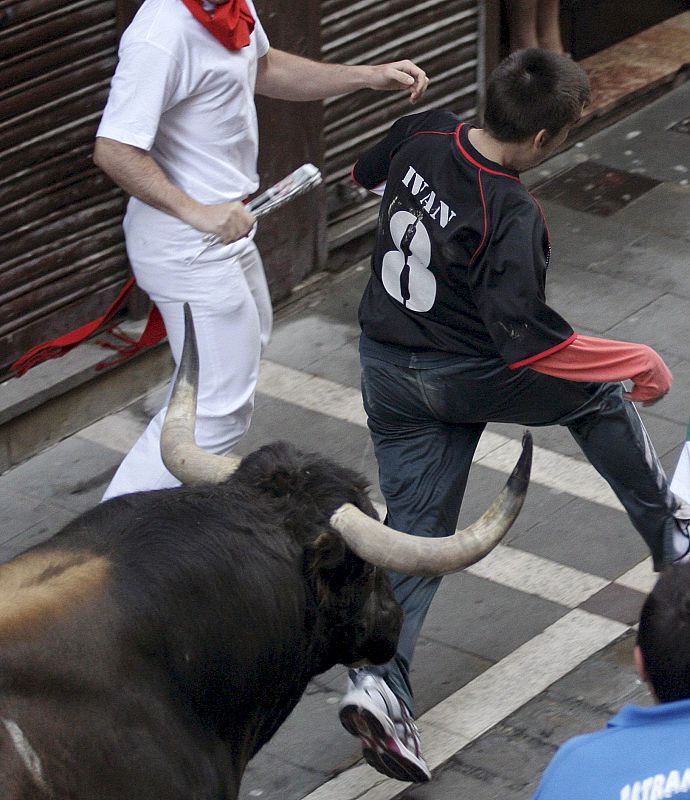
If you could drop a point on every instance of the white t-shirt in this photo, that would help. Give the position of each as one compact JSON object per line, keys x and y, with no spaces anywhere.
{"x":180,"y":94}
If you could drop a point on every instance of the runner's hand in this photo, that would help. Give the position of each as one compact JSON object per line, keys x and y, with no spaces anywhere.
{"x":653,"y":382}
{"x":230,"y":221}
{"x":399,"y":75}
{"x":644,"y":395}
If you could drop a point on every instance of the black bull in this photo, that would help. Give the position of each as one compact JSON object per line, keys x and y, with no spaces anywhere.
{"x":153,"y":646}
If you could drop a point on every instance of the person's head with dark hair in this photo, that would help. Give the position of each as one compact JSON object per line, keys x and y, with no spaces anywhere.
{"x":534,"y":90}
{"x":533,"y":99}
{"x":663,"y":639}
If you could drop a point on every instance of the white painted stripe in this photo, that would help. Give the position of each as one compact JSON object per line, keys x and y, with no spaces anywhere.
{"x":641,"y":577}
{"x":538,"y":576}
{"x":359,"y":782}
{"x":488,"y":699}
{"x":532,"y":574}
{"x":311,"y":392}
{"x":524,"y":673}
{"x":555,"y":471}
{"x":562,"y":473}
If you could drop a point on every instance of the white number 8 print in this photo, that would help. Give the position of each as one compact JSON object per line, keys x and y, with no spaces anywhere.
{"x":405,"y":271}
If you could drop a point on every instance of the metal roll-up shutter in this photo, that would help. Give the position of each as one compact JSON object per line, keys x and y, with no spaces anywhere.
{"x":443,"y":36}
{"x":62,"y":257}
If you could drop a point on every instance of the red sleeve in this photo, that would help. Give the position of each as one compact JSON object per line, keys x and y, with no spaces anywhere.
{"x":601,"y":360}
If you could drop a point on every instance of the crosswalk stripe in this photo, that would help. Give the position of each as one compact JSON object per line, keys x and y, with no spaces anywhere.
{"x":555,"y":471}
{"x":535,"y":575}
{"x":552,"y":470}
{"x":538,"y":576}
{"x":641,"y":577}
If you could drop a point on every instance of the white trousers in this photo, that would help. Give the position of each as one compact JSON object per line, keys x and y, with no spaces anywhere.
{"x":231,"y":306}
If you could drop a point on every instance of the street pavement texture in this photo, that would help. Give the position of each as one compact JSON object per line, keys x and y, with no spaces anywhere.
{"x":533,"y":644}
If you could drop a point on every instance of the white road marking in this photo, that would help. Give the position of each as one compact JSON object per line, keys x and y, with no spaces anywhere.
{"x":555,"y":471}
{"x":562,"y":473}
{"x":534,"y":575}
{"x":117,"y":431}
{"x":641,"y":577}
{"x":538,"y":576}
{"x":311,"y":392}
{"x":524,"y":673}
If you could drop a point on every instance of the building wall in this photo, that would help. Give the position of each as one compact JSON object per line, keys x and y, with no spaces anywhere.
{"x":63,"y":257}
{"x":445,"y":37}
{"x":292,"y":239}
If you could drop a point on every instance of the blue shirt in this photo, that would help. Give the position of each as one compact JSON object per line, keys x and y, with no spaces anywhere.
{"x":643,"y":754}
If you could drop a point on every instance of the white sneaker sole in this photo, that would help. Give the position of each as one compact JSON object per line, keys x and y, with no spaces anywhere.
{"x":381,"y":747}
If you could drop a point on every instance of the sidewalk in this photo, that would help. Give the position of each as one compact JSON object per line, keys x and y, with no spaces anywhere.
{"x":533,"y":644}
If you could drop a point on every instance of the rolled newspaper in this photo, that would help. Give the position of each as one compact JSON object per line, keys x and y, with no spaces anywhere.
{"x":299,"y":181}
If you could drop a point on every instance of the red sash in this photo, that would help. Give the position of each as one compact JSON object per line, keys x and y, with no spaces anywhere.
{"x":231,"y":22}
{"x":153,"y":333}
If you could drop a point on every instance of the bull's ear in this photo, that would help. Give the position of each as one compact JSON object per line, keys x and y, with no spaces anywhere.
{"x":279,"y":482}
{"x":326,"y":557}
{"x":328,"y":550}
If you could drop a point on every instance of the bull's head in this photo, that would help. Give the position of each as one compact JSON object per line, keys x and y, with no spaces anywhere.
{"x":367,"y":537}
{"x":358,"y":617}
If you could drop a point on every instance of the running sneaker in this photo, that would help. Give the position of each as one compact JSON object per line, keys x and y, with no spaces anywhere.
{"x":389,"y":736}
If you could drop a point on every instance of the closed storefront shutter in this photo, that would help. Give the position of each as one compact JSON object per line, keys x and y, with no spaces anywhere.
{"x":62,"y":257}
{"x":443,"y":36}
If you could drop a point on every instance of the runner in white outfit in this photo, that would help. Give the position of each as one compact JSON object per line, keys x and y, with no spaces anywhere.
{"x":179,"y":134}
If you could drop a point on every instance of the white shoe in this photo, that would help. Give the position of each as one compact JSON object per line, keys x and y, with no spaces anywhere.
{"x":390,"y":739}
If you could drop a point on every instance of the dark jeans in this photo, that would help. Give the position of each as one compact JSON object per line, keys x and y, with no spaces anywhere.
{"x":425,"y":421}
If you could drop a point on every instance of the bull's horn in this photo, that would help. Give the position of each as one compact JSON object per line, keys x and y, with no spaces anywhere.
{"x":420,"y":555}
{"x":179,"y":450}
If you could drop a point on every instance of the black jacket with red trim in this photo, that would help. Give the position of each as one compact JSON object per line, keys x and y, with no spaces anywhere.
{"x":462,"y":248}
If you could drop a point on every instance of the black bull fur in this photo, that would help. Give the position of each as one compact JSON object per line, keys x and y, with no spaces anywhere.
{"x":153,"y":646}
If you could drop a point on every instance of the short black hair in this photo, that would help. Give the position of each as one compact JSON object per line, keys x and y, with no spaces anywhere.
{"x":664,"y":634}
{"x":532,"y":90}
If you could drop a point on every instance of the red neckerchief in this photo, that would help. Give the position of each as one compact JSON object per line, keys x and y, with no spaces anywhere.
{"x":231,"y":23}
